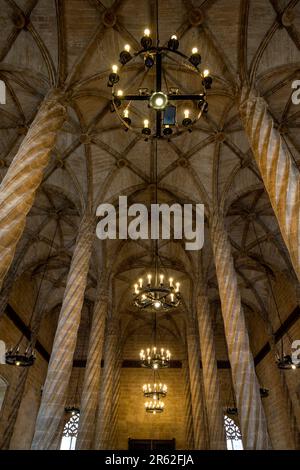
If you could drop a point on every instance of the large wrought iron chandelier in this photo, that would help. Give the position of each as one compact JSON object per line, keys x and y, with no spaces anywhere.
{"x":154,"y":358}
{"x":156,"y":294}
{"x":164,"y":110}
{"x":154,"y":406}
{"x":155,"y":392}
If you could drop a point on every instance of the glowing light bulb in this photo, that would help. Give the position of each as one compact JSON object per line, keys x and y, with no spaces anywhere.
{"x":171,"y":282}
{"x":194,"y":50}
{"x":120,"y":92}
{"x":18,"y":363}
{"x":155,"y":366}
{"x":161,"y":278}
{"x":206,"y":73}
{"x":172,"y":297}
{"x":115,"y":68}
{"x":294,"y":367}
{"x":147,"y":32}
{"x":174,"y":37}
{"x":146,"y":123}
{"x":157,"y":304}
{"x":159,"y":101}
{"x":149,"y":278}
{"x":126,"y":113}
{"x":141,"y":282}
{"x":177,"y":286}
{"x":127,"y":47}
{"x":186,"y":113}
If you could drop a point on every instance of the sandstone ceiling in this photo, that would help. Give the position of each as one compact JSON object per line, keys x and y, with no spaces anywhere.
{"x":71,"y":44}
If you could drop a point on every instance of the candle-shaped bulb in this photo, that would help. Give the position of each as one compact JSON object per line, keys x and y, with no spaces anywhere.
{"x":206,"y":73}
{"x":141,"y":282}
{"x":171,"y":282}
{"x":174,"y":37}
{"x":161,"y":278}
{"x":147,"y":32}
{"x":177,"y":286}
{"x":194,"y":50}
{"x":115,"y":68}
{"x":172,"y":297}
{"x":126,"y":113}
{"x":127,"y":47}
{"x":149,"y":278}
{"x":120,"y":92}
{"x":146,"y":123}
{"x":186,"y":113}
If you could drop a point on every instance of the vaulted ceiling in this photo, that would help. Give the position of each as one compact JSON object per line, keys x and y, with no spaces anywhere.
{"x":71,"y":44}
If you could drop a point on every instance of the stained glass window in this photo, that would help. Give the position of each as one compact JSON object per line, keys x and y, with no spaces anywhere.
{"x":70,"y":432}
{"x":233,"y":434}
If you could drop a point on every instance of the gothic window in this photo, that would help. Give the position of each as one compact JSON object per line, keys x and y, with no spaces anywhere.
{"x":233,"y":435}
{"x":70,"y":432}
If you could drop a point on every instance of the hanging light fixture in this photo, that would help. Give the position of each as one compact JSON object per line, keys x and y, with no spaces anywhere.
{"x":153,"y":358}
{"x":155,"y":393}
{"x":283,"y":361}
{"x":162,"y":98}
{"x":154,"y":293}
{"x":15,"y":356}
{"x":154,"y":406}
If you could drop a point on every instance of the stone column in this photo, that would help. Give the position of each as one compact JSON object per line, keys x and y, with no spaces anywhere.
{"x":23,"y":177}
{"x":105,"y":409}
{"x":116,"y":395}
{"x":279,"y":173}
{"x":251,"y":413}
{"x":198,"y":406}
{"x":215,"y":417}
{"x":189,"y":439}
{"x":91,"y":384}
{"x":61,"y":361}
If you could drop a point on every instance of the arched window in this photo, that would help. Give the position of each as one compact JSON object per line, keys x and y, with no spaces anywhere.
{"x":70,"y":432}
{"x":3,"y":388}
{"x":233,"y":434}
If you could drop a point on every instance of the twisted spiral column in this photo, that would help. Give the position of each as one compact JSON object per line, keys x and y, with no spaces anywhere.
{"x":23,"y":177}
{"x":61,"y":361}
{"x":279,"y":173}
{"x":211,"y":382}
{"x":251,"y":413}
{"x":108,"y":382}
{"x":11,"y":409}
{"x":198,"y":407}
{"x":91,"y":384}
{"x":189,"y":436}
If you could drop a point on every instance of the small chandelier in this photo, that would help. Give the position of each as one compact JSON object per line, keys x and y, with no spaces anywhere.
{"x":158,"y":296}
{"x":15,"y":357}
{"x":73,"y":410}
{"x":156,"y":391}
{"x":285,"y":362}
{"x":155,"y":406}
{"x":154,"y":359}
